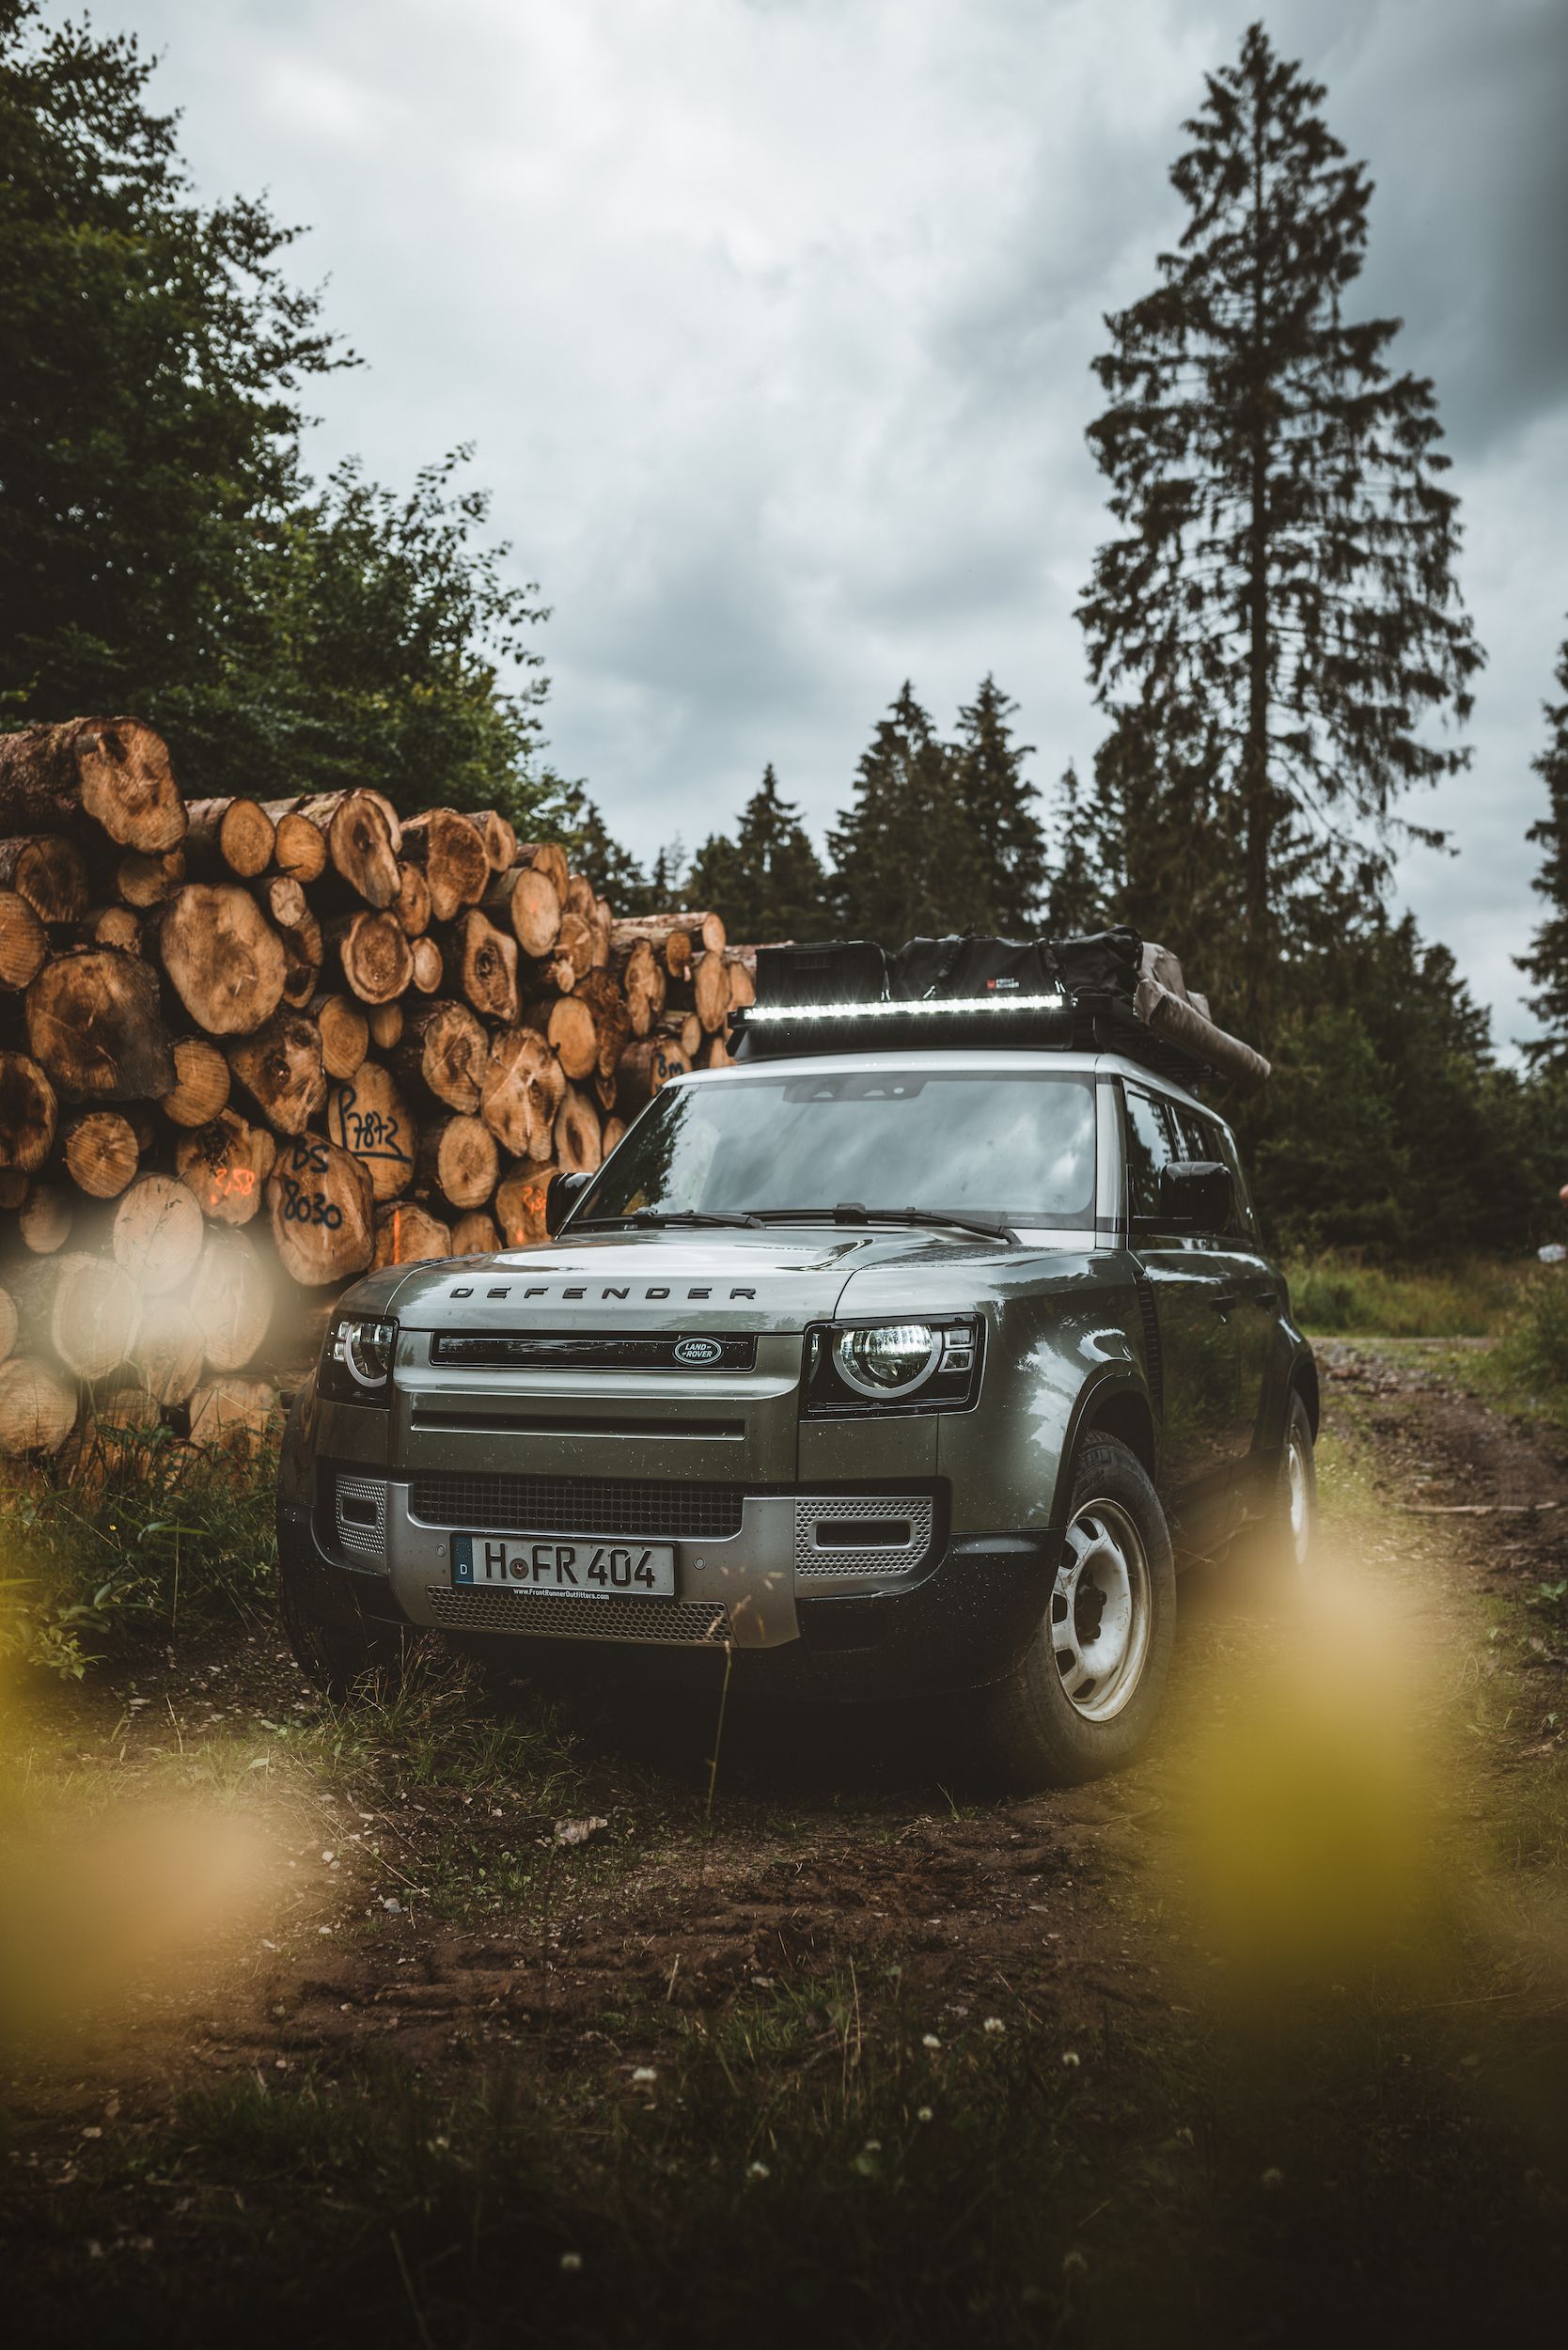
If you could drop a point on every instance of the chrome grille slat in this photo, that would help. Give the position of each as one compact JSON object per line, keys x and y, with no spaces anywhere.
{"x":664,"y":1624}
{"x":651,"y":1509}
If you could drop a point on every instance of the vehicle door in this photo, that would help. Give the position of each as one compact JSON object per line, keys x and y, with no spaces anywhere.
{"x":1191,"y":1284}
{"x":1249,"y":1280}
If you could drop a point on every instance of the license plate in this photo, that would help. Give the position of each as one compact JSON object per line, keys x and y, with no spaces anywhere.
{"x":589,"y":1567}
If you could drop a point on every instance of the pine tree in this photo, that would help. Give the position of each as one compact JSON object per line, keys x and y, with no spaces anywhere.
{"x":905,"y":855}
{"x":1008,"y":838}
{"x":1285,"y":564}
{"x":767,"y":881}
{"x":1077,"y":899}
{"x":1547,"y":961}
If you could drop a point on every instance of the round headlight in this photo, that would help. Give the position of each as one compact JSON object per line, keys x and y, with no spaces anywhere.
{"x":893,"y":1360}
{"x":367,"y":1351}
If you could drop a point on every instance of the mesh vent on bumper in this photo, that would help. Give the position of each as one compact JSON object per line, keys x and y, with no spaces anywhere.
{"x":896,"y":1528}
{"x":361,"y":1517}
{"x":681,"y":1623}
{"x":642,"y":1507}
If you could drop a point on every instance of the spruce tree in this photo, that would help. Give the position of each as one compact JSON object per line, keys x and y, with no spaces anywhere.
{"x":1283,"y":575}
{"x":998,"y":804}
{"x":767,"y":881}
{"x":904,"y":856}
{"x":1547,"y":961}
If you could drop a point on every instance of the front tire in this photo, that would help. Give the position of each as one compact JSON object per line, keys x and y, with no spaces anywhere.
{"x":333,"y":1646}
{"x":1084,"y":1695}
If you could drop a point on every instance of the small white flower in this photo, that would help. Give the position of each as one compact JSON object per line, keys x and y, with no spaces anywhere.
{"x":643,"y":2077}
{"x":571,"y":2263}
{"x":1273,"y":2178}
{"x":995,"y":2026}
{"x":929,"y":2039}
{"x":758,"y":2170}
{"x":923,"y":2114}
{"x":1070,"y":2060}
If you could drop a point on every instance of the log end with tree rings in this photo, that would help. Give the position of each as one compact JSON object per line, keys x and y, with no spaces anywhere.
{"x":345,"y":1033}
{"x":527,"y":899}
{"x":388,"y":1022}
{"x":223,"y":957}
{"x":442,"y":1051}
{"x":460,"y":1158}
{"x":285,"y":902}
{"x":101,"y":1152}
{"x":362,"y":844}
{"x":322,"y":1211}
{"x":24,"y":941}
{"x":647,"y":1066}
{"x":159,"y":1233}
{"x":29,"y":1112}
{"x":487,"y":968}
{"x":144,"y":882}
{"x":113,"y":926}
{"x":44,"y":1219}
{"x":573,"y":1036}
{"x":367,"y":1116}
{"x":234,"y":1414}
{"x":520,"y":1205}
{"x":578,"y":1134}
{"x":126,"y":783}
{"x":299,"y":847}
{"x":95,"y":1026}
{"x":48,"y":874}
{"x":231,"y":1298}
{"x":169,"y":1351}
{"x":376,"y":958}
{"x":200,"y":1088}
{"x":498,"y":834}
{"x":224,"y":1166}
{"x":523,"y":1088}
{"x":237,"y":835}
{"x":407,"y":1233}
{"x":93,"y":1314}
{"x":709,"y":979}
{"x":572,"y":954}
{"x":452,"y":855}
{"x":281,"y":1068}
{"x":742,"y":978}
{"x":38,"y":1406}
{"x":614,"y":1129}
{"x":411,"y":905}
{"x":430,"y":966}
{"x":547,"y":856}
{"x":475,"y":1234}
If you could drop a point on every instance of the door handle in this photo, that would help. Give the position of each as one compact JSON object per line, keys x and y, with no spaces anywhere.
{"x":1265,"y":1294}
{"x":1225,"y":1302}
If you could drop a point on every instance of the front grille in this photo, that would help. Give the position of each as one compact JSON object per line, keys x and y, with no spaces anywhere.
{"x":641,"y":1506}
{"x":681,"y":1623}
{"x":549,"y":1350}
{"x":908,"y":1518}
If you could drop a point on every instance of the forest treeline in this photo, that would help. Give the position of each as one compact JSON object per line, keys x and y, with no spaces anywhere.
{"x":1273,"y":627}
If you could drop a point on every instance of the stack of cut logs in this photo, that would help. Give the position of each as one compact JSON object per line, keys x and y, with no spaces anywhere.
{"x":240,"y":1039}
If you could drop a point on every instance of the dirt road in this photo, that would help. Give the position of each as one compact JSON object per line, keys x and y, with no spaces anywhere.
{"x":452,"y":2024}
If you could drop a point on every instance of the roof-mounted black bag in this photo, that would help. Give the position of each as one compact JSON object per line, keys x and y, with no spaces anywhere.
{"x":845,"y":971}
{"x":938,"y":969}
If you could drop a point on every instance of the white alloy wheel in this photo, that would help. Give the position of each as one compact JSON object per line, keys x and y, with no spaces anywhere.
{"x":1101,"y":1610}
{"x":1298,"y":1495}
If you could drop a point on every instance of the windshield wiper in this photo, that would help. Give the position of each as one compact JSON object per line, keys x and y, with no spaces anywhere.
{"x":661,"y":1216}
{"x":851,"y":1211}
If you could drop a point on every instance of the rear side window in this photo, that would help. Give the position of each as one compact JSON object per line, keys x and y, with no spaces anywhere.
{"x":1206,"y":1138}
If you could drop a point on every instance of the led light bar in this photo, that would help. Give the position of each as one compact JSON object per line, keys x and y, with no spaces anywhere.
{"x":756,"y":1014}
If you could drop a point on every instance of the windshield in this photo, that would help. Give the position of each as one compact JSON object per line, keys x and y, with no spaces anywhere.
{"x":1017,"y":1145}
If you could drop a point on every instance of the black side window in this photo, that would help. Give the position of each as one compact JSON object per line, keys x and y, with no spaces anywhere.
{"x":1205,"y":1138}
{"x":1151,"y":1144}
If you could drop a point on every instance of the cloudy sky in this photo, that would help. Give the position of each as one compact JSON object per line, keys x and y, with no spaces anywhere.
{"x":772,"y":321}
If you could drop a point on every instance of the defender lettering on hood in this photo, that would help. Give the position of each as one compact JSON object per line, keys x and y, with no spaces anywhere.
{"x":651,"y":1293}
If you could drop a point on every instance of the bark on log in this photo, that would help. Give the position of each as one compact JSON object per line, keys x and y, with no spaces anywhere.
{"x":363,"y":838}
{"x":95,"y":1027}
{"x":409,"y":1234}
{"x":92,"y":1317}
{"x":113,"y":770}
{"x":442,"y":1051}
{"x":458,"y":1157}
{"x":367,"y":1116}
{"x":49,"y":873}
{"x":345,"y":1033}
{"x":525,"y":900}
{"x":452,"y":854}
{"x":44,"y":1219}
{"x":224,"y":1166}
{"x":322,"y":1211}
{"x":475,"y":1234}
{"x":485,"y":965}
{"x":149,"y":881}
{"x":520,"y":1205}
{"x":169,"y":1351}
{"x":158,"y":1234}
{"x":223,"y":957}
{"x":523,"y":1089}
{"x":498,"y":834}
{"x":376,"y":959}
{"x":579,"y":1133}
{"x":28,"y":1112}
{"x":281,"y":1068}
{"x":200,"y":1088}
{"x":237,"y":836}
{"x":38,"y":1407}
{"x":234,"y":1414}
{"x":24,"y":941}
{"x":101,"y":1152}
{"x":299,"y":847}
{"x":644,"y":1068}
{"x":411,"y":905}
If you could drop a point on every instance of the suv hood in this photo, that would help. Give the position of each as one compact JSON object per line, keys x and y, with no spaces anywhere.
{"x":711,"y":1280}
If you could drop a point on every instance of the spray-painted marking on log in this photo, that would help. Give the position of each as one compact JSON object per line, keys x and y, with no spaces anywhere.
{"x":368,"y":1134}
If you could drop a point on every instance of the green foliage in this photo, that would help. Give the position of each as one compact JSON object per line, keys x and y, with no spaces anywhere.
{"x":998,"y":803}
{"x":1343,"y":1296}
{"x":1277,"y":614}
{"x":1547,"y":961}
{"x":161,"y":549}
{"x":170,"y":1534}
{"x":767,"y":881}
{"x":1533,"y":1354}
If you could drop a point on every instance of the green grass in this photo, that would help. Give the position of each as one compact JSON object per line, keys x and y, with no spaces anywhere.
{"x":1338,"y":1296}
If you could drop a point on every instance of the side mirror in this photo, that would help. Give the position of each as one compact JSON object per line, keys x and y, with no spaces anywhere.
{"x":561,"y":1195}
{"x":1198,"y":1193}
